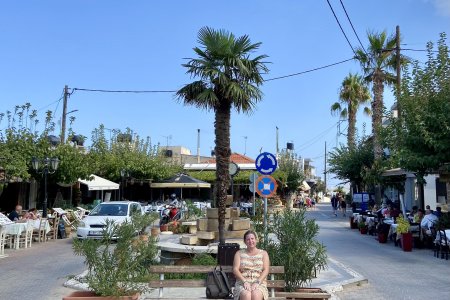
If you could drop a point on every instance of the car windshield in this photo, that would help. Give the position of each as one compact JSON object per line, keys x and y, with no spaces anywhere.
{"x":110,"y":210}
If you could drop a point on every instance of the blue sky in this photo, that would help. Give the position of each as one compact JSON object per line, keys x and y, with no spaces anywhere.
{"x":140,"y":45}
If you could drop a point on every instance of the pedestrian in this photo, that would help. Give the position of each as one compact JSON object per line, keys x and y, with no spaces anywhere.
{"x":334,"y":204}
{"x":343,"y":207}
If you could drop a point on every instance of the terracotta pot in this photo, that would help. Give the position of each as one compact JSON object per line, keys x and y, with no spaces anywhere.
{"x":407,"y":241}
{"x":382,"y":238}
{"x":363,"y":230}
{"x":154,"y":231}
{"x":305,"y":294}
{"x":86,"y":295}
{"x":164,"y":227}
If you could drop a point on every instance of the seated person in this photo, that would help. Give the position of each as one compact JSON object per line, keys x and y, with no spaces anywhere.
{"x":15,"y":214}
{"x":428,"y":221}
{"x":251,"y":267}
{"x":31,"y":214}
{"x":395,"y":212}
{"x":387,"y":211}
{"x":418,"y":216}
{"x":438,"y":212}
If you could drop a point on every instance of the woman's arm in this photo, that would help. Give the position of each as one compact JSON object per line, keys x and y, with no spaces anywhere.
{"x":266,"y":265}
{"x":236,"y":265}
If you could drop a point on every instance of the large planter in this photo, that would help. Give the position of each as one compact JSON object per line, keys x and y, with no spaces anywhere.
{"x":154,"y":231}
{"x":353,"y":225}
{"x":363,"y":230}
{"x":304,"y":294}
{"x":164,"y":227}
{"x":382,"y":237}
{"x":87,"y":295}
{"x":407,"y":241}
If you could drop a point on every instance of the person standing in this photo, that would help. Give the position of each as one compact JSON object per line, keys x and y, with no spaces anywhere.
{"x":343,"y":206}
{"x":334,"y":203}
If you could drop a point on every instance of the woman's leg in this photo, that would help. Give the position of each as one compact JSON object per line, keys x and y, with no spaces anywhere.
{"x":257,"y":295}
{"x":245,"y":295}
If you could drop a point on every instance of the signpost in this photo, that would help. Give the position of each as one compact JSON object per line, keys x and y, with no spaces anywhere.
{"x":253,"y":178}
{"x":266,"y":186}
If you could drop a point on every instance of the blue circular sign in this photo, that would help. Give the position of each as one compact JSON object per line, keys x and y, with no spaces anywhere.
{"x":266,"y":163}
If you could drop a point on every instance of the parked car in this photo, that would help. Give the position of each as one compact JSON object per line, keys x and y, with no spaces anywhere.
{"x":91,"y":227}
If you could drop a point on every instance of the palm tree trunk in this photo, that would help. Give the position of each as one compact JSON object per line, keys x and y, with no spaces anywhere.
{"x":222,"y":131}
{"x":377,"y":113}
{"x":351,"y":127}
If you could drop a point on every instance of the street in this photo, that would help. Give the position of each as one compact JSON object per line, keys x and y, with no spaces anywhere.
{"x":39,"y":273}
{"x":392,"y":273}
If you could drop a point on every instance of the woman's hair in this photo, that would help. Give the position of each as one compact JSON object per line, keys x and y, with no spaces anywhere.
{"x":248,"y":232}
{"x":32,"y":210}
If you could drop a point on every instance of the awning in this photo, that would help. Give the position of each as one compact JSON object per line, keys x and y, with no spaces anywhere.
{"x":181,"y":181}
{"x":99,"y":184}
{"x":395,"y":172}
{"x":304,"y":186}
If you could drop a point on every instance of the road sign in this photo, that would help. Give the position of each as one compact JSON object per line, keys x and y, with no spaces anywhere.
{"x":266,"y":186}
{"x":266,"y":163}
{"x":251,"y":187}
{"x":253,"y":177}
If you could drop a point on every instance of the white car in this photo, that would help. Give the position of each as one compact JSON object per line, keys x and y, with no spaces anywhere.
{"x":91,"y":227}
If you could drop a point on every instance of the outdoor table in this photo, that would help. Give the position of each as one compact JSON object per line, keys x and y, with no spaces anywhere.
{"x":36,"y":223}
{"x":15,"y":229}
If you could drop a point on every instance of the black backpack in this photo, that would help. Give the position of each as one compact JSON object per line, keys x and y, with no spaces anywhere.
{"x":217,"y":285}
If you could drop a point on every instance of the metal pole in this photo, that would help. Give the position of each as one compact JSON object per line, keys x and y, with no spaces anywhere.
{"x":254,"y":196}
{"x":44,"y":206}
{"x":397,"y":41}
{"x":265,"y":222}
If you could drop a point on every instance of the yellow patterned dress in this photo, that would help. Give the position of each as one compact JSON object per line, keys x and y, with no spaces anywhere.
{"x":251,"y":269}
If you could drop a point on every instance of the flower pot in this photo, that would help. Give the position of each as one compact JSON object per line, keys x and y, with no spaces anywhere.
{"x":382,"y":237}
{"x":87,"y":295}
{"x":304,"y":294}
{"x":363,"y":230}
{"x":407,"y":241}
{"x":353,"y":225}
{"x":164,"y":227}
{"x":154,"y":231}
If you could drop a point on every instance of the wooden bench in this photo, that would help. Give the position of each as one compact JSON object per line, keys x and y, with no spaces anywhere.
{"x":187,"y":283}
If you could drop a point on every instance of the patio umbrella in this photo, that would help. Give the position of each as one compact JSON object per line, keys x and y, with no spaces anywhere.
{"x":181,"y":181}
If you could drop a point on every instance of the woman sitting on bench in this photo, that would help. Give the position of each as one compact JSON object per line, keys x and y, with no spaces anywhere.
{"x":251,"y":267}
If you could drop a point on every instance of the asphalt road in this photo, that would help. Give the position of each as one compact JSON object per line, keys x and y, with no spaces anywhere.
{"x":392,"y":273}
{"x":39,"y":272}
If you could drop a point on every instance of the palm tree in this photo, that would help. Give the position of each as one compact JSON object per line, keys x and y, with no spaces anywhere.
{"x":228,"y":78}
{"x":378,"y":64}
{"x":353,"y":94}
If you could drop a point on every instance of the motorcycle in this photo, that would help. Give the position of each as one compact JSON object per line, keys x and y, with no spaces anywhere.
{"x":168,"y":214}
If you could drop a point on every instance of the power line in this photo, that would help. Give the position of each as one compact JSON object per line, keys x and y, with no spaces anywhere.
{"x":122,"y":91}
{"x":44,"y":107}
{"x":348,"y":18}
{"x":343,"y":32}
{"x":311,"y":70}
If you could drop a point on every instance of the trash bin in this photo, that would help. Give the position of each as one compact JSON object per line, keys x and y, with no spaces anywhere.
{"x":225,"y":253}
{"x":225,"y":257}
{"x":61,"y":230}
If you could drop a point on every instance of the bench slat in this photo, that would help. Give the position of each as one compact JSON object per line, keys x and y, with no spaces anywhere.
{"x":302,"y":295}
{"x":200,"y":283}
{"x":203,"y":269}
{"x":184,"y":298}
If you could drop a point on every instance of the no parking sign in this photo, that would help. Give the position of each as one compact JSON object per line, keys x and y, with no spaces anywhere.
{"x":266,"y":186}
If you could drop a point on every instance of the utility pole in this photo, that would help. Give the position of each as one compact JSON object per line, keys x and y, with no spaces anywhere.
{"x":64,"y":114}
{"x":325,"y":169}
{"x":397,"y":48}
{"x":198,"y":146}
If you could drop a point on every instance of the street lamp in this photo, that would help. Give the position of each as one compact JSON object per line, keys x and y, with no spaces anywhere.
{"x":44,"y":167}
{"x":123,"y":174}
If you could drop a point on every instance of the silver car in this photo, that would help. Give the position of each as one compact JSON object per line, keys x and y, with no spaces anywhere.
{"x":91,"y":227}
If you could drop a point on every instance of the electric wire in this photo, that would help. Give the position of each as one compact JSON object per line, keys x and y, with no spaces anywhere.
{"x":122,"y":91}
{"x":339,"y":23}
{"x":354,"y":31}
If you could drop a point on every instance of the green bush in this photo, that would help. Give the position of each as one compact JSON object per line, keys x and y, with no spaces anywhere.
{"x":202,"y":259}
{"x":296,"y":248}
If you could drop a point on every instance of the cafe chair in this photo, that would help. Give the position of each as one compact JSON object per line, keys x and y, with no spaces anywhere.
{"x":26,"y":237}
{"x":68,"y":223}
{"x":2,"y":241}
{"x":53,"y":233}
{"x":441,"y":245}
{"x":40,"y":234}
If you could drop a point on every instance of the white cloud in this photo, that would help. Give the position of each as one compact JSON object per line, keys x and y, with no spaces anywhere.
{"x":442,"y":7}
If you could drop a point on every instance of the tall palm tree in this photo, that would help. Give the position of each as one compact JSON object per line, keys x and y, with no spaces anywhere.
{"x":378,"y":64}
{"x":228,"y":78}
{"x":353,"y":93}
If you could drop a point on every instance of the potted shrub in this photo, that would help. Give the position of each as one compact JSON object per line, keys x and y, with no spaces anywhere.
{"x":362,"y":227}
{"x":117,"y":261}
{"x":383,"y":231}
{"x":296,"y":248}
{"x":403,"y":230}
